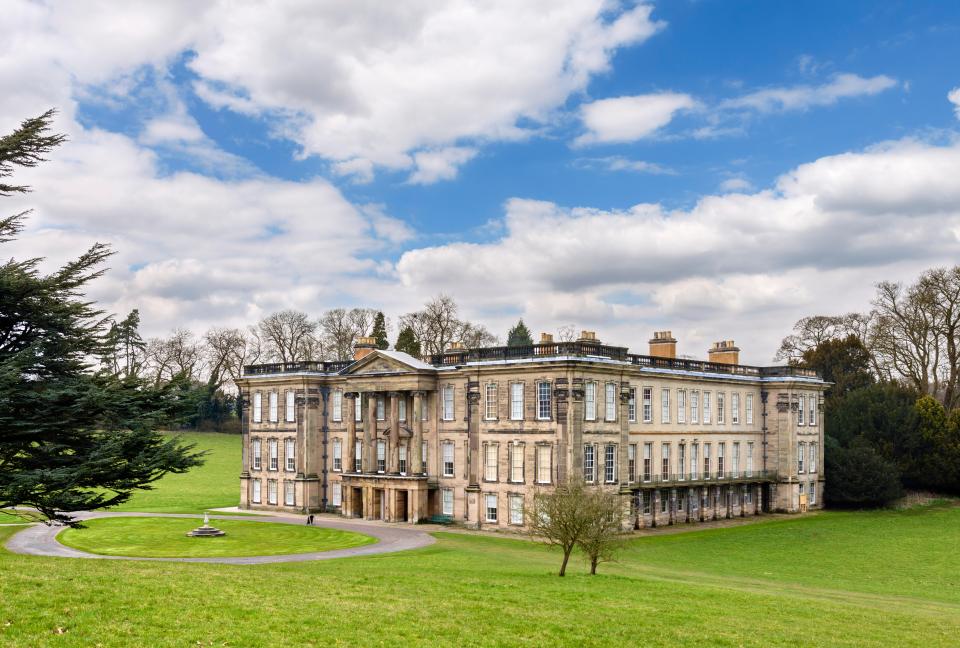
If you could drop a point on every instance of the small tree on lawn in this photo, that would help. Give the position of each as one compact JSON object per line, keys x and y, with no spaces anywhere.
{"x":519,"y":335}
{"x":560,"y":517}
{"x":600,"y":540}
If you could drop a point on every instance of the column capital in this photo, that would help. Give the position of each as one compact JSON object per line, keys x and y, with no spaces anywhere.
{"x":418,"y":393}
{"x":351,"y":394}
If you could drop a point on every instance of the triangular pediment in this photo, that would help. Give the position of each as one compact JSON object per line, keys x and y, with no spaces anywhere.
{"x":386,"y":362}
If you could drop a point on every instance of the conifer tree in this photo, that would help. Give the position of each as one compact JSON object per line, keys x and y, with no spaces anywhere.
{"x":407,"y":342}
{"x":380,"y":331}
{"x":519,"y":335}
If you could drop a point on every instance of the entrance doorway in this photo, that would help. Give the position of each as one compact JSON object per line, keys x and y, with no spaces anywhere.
{"x":357,"y":501}
{"x":378,"y":504}
{"x":401,"y":506}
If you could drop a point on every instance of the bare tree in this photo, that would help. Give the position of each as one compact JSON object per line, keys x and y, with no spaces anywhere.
{"x":289,"y":336}
{"x":226,"y":351}
{"x":476,"y":335}
{"x":179,"y":354}
{"x":437,"y":325}
{"x":808,"y":333}
{"x":340,"y":328}
{"x":602,"y":536}
{"x":567,"y":333}
{"x":559,"y":517}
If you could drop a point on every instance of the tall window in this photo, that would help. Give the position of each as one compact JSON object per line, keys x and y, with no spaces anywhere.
{"x":665,"y":461}
{"x":358,"y":408}
{"x":735,"y":459}
{"x":590,"y":401}
{"x":516,"y":509}
{"x":632,"y":462}
{"x":721,"y":415}
{"x":647,"y":405}
{"x":337,"y":405}
{"x":337,"y":495}
{"x":610,"y":464}
{"x":516,"y":463}
{"x":610,"y":402}
{"x":490,"y":404}
{"x":681,"y":406}
{"x":812,"y":467}
{"x":706,"y":461}
{"x":706,"y":407}
{"x":273,"y":407}
{"x":358,"y":456}
{"x":632,"y":405}
{"x":381,"y":408}
{"x":735,"y":408}
{"x":272,"y":491}
{"x":274,"y":459}
{"x":647,"y":452}
{"x":800,"y":410}
{"x":289,"y":409}
{"x":682,"y":460}
{"x":516,"y":401}
{"x":255,"y":451}
{"x":801,"y":448}
{"x":589,"y":463}
{"x":288,"y":493}
{"x":423,"y":457}
{"x":381,"y":456}
{"x":694,"y":461}
{"x":491,"y":506}
{"x":694,"y":406}
{"x":813,"y":411}
{"x":257,"y":407}
{"x":490,"y":462}
{"x":749,"y":409}
{"x":543,"y":401}
{"x":256,"y":491}
{"x":749,"y":458}
{"x":447,"y":501}
{"x":402,"y":458}
{"x":813,"y":493}
{"x":720,"y":448}
{"x":448,"y":459}
{"x":544,"y":464}
{"x":448,"y":402}
{"x":337,"y":455}
{"x":289,"y":449}
{"x":664,"y":405}
{"x":402,"y":408}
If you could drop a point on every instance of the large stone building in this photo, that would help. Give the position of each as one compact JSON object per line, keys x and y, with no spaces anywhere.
{"x":472,"y":433}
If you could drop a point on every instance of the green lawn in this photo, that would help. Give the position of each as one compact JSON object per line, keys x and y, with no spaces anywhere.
{"x":166,"y":537}
{"x":833,"y":579}
{"x":216,"y":484}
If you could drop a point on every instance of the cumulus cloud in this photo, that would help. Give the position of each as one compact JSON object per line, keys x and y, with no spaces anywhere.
{"x":620,"y":163}
{"x":954,"y":97}
{"x":441,"y":164}
{"x":626,"y":119}
{"x":736,"y":183}
{"x":801,"y":97}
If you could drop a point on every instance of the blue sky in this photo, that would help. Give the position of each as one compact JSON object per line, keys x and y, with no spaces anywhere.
{"x":587,"y":163}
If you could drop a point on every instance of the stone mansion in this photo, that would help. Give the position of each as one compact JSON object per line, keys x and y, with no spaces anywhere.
{"x":471,"y":434}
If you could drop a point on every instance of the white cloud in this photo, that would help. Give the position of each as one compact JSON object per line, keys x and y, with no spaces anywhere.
{"x":734,"y":265}
{"x":620,"y":163}
{"x":954,"y":97}
{"x":626,"y":119}
{"x":440,"y":164}
{"x":801,"y":97}
{"x":736,"y":183}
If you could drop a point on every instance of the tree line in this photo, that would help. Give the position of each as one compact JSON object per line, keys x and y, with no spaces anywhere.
{"x":893,"y":412}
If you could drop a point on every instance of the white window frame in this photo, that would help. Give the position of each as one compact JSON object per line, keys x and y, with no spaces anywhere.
{"x":290,"y":406}
{"x":516,"y":463}
{"x":721,"y":409}
{"x":274,"y":455}
{"x":735,"y":459}
{"x":801,"y":451}
{"x":749,"y":459}
{"x":448,"y":407}
{"x":402,"y":458}
{"x":707,"y":414}
{"x":447,"y":447}
{"x":646,"y":408}
{"x":610,"y":464}
{"x":337,"y":455}
{"x":491,"y":459}
{"x":402,"y":408}
{"x":544,"y":470}
{"x":610,"y":402}
{"x":257,"y":407}
{"x":272,"y":495}
{"x":706,"y":461}
{"x":358,"y":456}
{"x":631,"y":463}
{"x":812,"y":497}
{"x":589,"y":463}
{"x":516,"y":401}
{"x":647,"y":467}
{"x":381,"y":456}
{"x":358,"y":408}
{"x":544,"y":401}
{"x":682,"y":461}
{"x":446,"y":501}
{"x":381,"y":408}
{"x":337,"y":494}
{"x":273,"y":407}
{"x":735,"y":408}
{"x":665,"y":460}
{"x":664,"y":405}
{"x":749,"y":409}
{"x":812,"y":419}
{"x":632,"y":406}
{"x":490,"y":404}
{"x":337,"y":405}
{"x":490,"y":508}
{"x":289,"y":493}
{"x":256,"y":495}
{"x":290,"y":455}
{"x":812,"y":457}
{"x":802,"y":404}
{"x":694,"y":407}
{"x":256,"y":452}
{"x":694,"y":460}
{"x":590,"y":401}
{"x":681,"y":406}
{"x":516,"y":509}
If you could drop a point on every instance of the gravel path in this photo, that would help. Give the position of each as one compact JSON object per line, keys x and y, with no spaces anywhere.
{"x":41,"y":540}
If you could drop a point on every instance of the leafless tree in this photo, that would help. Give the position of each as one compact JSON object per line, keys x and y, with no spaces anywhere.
{"x":179,"y":354}
{"x":559,"y":517}
{"x":226,"y":352}
{"x":567,"y":333}
{"x":340,"y":328}
{"x":476,"y":335}
{"x":808,"y":333}
{"x":289,"y":336}
{"x":437,"y":325}
{"x":602,"y":537}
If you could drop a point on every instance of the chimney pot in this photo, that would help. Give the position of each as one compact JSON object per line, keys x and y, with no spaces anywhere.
{"x":724,"y":352}
{"x":663,"y":345}
{"x":546,"y":338}
{"x":363,"y":347}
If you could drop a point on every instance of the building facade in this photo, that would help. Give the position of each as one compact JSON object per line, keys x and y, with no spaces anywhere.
{"x":471,"y":434}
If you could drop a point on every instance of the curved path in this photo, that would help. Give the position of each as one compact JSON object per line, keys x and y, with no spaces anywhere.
{"x":41,"y":540}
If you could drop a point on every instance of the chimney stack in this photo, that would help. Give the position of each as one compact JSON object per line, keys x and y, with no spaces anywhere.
{"x":724,"y":352}
{"x":363,"y":347}
{"x":546,"y":338}
{"x":456,"y":346}
{"x":588,"y":336}
{"x":663,"y":345}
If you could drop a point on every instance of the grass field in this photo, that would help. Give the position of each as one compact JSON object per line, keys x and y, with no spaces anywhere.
{"x":166,"y":537}
{"x":832,"y":579}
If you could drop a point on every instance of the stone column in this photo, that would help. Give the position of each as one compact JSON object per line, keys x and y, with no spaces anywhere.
{"x":370,"y":433}
{"x":473,"y":433}
{"x":393,"y":454}
{"x":415,"y":454}
{"x":350,"y":454}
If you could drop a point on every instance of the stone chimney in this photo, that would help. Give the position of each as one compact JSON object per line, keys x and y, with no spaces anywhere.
{"x":663,"y":345}
{"x":724,"y":352}
{"x":456,"y":346}
{"x":546,"y":338}
{"x":588,"y":336}
{"x":363,"y":347}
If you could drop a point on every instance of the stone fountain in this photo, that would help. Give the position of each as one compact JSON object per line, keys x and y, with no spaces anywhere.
{"x":206,"y":531}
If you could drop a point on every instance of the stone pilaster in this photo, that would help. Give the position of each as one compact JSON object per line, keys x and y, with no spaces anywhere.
{"x":393,"y":452}
{"x":370,"y":432}
{"x":414,"y":454}
{"x":350,"y":454}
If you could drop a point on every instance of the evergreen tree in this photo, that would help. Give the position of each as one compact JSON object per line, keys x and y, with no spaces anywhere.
{"x":380,"y":331}
{"x":71,"y":438}
{"x":519,"y":335}
{"x":407,"y":342}
{"x":859,"y":477}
